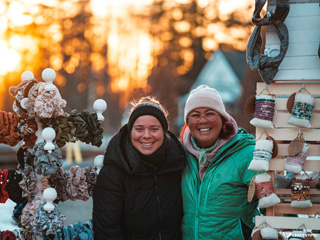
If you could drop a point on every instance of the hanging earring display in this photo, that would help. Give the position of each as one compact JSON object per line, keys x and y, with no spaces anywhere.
{"x":300,"y":191}
{"x":300,"y":106}
{"x":264,"y":151}
{"x":265,"y":191}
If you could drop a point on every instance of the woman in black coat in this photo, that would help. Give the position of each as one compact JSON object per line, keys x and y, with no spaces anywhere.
{"x":138,"y":190}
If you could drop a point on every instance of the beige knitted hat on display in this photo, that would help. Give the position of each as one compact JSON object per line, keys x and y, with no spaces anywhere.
{"x":204,"y":96}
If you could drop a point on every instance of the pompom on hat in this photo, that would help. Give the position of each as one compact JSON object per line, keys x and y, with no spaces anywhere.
{"x":204,"y":96}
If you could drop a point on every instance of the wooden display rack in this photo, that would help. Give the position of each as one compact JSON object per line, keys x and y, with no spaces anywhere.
{"x":299,"y":69}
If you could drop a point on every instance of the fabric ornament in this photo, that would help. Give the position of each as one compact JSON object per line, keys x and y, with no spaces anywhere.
{"x":28,"y":182}
{"x":46,"y":223}
{"x":264,"y":112}
{"x":8,"y":128}
{"x":45,"y":162}
{"x":3,"y":182}
{"x":12,"y":187}
{"x":261,"y":156}
{"x":17,"y":212}
{"x":59,"y":181}
{"x":28,"y":214}
{"x":48,"y":103}
{"x":91,"y":178}
{"x":300,"y":191}
{"x":20,"y":92}
{"x":78,"y":186}
{"x":302,"y":110}
{"x":295,"y":163}
{"x":8,"y":235}
{"x":265,"y":191}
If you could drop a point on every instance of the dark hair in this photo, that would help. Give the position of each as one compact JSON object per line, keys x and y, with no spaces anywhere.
{"x":227,"y":129}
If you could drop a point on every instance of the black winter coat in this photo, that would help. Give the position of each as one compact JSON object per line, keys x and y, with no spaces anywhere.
{"x":133,"y":200}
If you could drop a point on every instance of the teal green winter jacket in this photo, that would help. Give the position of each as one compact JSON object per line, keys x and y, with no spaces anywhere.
{"x":214,"y":208}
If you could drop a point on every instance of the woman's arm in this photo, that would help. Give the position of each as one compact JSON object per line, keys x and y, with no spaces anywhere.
{"x":108,"y":203}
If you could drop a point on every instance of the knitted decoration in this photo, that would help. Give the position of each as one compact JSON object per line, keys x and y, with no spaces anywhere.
{"x":302,"y":110}
{"x":300,"y":189}
{"x":261,"y":155}
{"x":45,"y":223}
{"x":8,"y":235}
{"x":58,"y":181}
{"x":13,"y":188}
{"x":29,"y":104}
{"x":28,"y":182}
{"x":17,"y":212}
{"x":295,"y":163}
{"x":91,"y":178}
{"x":48,"y":103}
{"x":28,"y":214}
{"x":76,"y":231}
{"x":87,"y":127}
{"x":264,"y":111}
{"x":269,"y":233}
{"x":3,"y":182}
{"x":8,"y":129}
{"x":78,"y":186}
{"x":265,"y":191}
{"x":20,"y":92}
{"x":47,"y":163}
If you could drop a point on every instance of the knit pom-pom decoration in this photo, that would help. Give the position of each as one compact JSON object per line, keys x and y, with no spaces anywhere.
{"x":265,"y":191}
{"x":264,"y":112}
{"x":300,"y":191}
{"x":295,"y":163}
{"x":261,"y":155}
{"x":301,"y":111}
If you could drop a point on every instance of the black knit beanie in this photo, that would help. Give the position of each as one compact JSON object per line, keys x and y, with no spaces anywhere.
{"x":147,"y":108}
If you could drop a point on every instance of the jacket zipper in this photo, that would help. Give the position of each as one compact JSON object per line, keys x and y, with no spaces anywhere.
{"x":158,"y":201}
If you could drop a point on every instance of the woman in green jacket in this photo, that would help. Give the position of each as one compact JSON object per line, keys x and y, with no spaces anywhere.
{"x":216,"y":179}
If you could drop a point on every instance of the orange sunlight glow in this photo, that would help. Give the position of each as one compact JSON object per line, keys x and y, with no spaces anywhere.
{"x":9,"y":58}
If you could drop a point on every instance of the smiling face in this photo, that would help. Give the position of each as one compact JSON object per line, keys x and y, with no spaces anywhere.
{"x":147,"y":134}
{"x":205,"y":130}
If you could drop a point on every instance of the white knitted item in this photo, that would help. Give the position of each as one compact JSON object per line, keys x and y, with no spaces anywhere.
{"x":269,"y":233}
{"x":305,"y":98}
{"x":301,"y":204}
{"x":259,"y":164}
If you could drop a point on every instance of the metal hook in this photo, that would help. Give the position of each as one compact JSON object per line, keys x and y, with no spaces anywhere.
{"x":303,"y":88}
{"x":265,"y":89}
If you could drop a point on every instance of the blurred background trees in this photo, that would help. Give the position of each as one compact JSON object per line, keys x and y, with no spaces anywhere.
{"x":117,"y":50}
